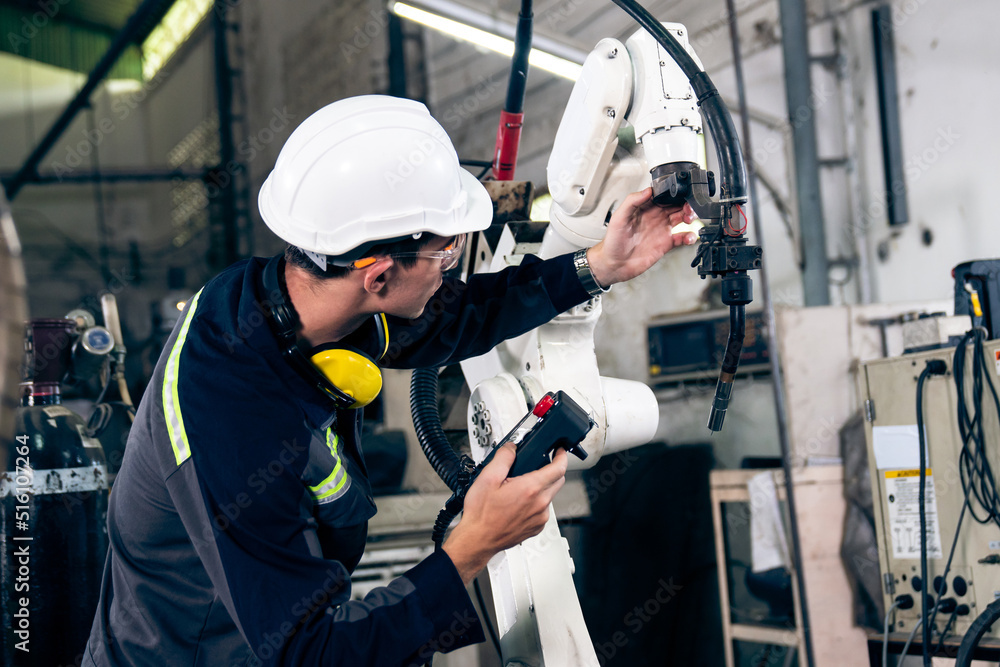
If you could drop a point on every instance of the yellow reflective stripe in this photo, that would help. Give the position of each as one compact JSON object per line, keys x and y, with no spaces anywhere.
{"x":385,"y":330}
{"x":171,"y":403}
{"x":335,"y":483}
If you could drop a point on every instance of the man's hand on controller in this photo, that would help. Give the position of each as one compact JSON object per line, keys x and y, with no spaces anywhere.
{"x":501,"y":512}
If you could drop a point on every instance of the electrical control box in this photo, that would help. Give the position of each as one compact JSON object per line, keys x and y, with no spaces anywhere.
{"x":889,"y":388}
{"x":692,"y":347}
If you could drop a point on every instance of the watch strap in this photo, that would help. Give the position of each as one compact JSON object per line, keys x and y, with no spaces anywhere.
{"x":586,"y":275}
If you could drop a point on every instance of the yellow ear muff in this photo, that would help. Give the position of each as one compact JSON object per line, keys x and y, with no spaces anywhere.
{"x":352,"y":372}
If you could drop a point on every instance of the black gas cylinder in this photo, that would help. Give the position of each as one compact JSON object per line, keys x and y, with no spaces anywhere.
{"x":53,"y":515}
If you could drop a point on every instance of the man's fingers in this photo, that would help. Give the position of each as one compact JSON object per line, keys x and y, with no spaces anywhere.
{"x":497,"y":469}
{"x":551,"y":473}
{"x":684,"y":238}
{"x":638,"y":201}
{"x":678,"y":215}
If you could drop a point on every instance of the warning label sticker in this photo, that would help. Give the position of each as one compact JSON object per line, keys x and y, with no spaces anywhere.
{"x":902,"y":489}
{"x":996,"y":359}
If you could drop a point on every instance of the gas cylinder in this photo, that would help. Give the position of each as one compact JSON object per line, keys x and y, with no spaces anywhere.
{"x":54,"y":515}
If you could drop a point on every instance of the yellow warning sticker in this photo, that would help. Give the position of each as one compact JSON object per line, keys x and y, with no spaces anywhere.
{"x":902,"y":495}
{"x":892,"y":474}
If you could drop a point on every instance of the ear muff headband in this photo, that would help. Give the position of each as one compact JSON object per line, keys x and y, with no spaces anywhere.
{"x":349,"y":377}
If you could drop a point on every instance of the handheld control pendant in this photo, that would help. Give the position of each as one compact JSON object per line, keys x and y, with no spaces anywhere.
{"x":559,"y":422}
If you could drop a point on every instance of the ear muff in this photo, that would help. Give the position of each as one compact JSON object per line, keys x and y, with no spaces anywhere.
{"x":351,"y":371}
{"x":348,"y":376}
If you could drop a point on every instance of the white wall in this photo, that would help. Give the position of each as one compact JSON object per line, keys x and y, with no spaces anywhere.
{"x":949,"y":74}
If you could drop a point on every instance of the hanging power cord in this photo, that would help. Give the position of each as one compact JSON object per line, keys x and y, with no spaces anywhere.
{"x":489,"y":623}
{"x":901,"y":602}
{"x":933,"y":367}
{"x":947,"y":569}
{"x":913,"y":634}
{"x":976,"y":631}
{"x":947,"y":629}
{"x":978,"y":480}
{"x":909,"y":640}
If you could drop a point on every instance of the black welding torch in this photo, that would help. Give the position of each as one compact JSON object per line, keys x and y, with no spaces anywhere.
{"x":731,"y":361}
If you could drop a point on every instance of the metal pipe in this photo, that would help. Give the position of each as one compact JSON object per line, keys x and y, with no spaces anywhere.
{"x":101,"y":210}
{"x":230,"y":251}
{"x":512,"y":114}
{"x":801,"y":115}
{"x":781,"y":411}
{"x":888,"y":114}
{"x":125,"y":38}
{"x":857,"y":225}
{"x":397,"y":57}
{"x":518,"y":80}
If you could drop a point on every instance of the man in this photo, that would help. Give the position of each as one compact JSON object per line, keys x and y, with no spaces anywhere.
{"x":242,"y":503}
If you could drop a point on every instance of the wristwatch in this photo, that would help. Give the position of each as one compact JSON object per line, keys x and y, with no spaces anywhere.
{"x":586,"y":275}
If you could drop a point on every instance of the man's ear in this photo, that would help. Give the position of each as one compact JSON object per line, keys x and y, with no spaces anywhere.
{"x":376,"y":275}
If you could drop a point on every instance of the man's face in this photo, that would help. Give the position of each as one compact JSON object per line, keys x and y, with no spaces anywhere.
{"x":418,"y":283}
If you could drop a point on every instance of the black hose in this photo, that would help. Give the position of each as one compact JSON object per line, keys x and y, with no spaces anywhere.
{"x":737,"y":334}
{"x":518,"y":81}
{"x":924,"y":610}
{"x":720,"y":123}
{"x":933,"y":367}
{"x":975,"y":632}
{"x":731,"y":361}
{"x":441,"y":524}
{"x":427,"y":423}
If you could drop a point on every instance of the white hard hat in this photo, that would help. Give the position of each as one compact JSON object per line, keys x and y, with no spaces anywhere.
{"x":365,"y":170}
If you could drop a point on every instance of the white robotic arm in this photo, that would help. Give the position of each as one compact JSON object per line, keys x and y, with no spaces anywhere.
{"x":631,"y":107}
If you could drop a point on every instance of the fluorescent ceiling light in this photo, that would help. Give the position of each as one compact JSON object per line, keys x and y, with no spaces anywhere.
{"x":502,"y":45}
{"x":172,"y":31}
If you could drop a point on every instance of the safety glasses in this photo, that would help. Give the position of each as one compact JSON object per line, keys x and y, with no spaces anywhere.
{"x":450,"y":255}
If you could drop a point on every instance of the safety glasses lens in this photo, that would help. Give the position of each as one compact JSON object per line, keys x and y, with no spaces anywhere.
{"x":453,"y":253}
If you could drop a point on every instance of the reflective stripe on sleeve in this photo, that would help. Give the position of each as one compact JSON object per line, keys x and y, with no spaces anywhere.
{"x":337,"y":482}
{"x":171,"y":403}
{"x":385,"y":330}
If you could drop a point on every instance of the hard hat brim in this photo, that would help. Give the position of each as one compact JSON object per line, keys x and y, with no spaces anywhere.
{"x":479,"y":214}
